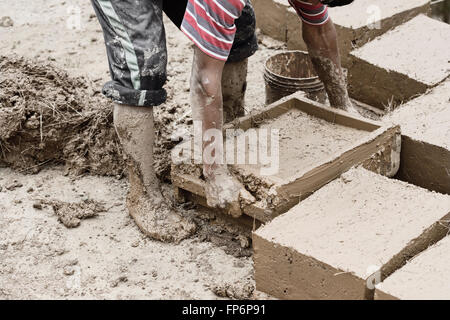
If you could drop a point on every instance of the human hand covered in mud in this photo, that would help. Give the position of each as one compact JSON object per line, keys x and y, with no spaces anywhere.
{"x":224,"y":191}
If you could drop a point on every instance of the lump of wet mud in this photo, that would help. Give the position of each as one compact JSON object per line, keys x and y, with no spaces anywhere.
{"x":47,"y":116}
{"x":13,"y":185}
{"x":239,"y":290}
{"x":210,"y":228}
{"x":71,"y":214}
{"x":6,"y":22}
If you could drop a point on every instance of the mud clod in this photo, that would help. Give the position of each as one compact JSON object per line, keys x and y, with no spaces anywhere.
{"x":212,"y":228}
{"x":71,"y":214}
{"x":6,"y":22}
{"x":14,"y":185}
{"x":37,"y":205}
{"x":238,"y":290}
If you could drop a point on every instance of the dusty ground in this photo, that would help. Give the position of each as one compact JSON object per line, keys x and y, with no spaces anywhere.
{"x":105,"y":255}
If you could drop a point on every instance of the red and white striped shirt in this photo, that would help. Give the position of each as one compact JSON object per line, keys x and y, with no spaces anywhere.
{"x":210,"y":25}
{"x":313,"y":14}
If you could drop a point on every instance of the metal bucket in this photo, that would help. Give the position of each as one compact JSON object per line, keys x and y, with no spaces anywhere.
{"x":291,"y":71}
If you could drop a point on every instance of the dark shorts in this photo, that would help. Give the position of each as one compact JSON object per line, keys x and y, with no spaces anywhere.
{"x":136,"y":46}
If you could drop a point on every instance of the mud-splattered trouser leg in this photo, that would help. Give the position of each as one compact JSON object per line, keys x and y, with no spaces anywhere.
{"x":136,"y":48}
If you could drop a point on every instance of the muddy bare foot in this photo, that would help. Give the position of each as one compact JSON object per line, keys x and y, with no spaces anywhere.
{"x":154,"y":216}
{"x":226,"y":192}
{"x":158,"y":220}
{"x":146,"y":205}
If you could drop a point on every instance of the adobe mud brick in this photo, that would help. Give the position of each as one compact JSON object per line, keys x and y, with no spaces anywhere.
{"x":329,"y":244}
{"x":316,"y":145}
{"x":356,"y":24}
{"x":425,"y":156}
{"x":401,"y":64}
{"x":426,"y":277}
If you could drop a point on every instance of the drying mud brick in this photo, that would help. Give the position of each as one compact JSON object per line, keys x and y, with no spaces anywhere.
{"x":331,"y":243}
{"x":426,"y":277}
{"x":401,"y":64}
{"x":356,"y":24}
{"x":316,"y":145}
{"x":425,"y":157}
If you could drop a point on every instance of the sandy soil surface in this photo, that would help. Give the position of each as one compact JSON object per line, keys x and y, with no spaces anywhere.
{"x":106,"y":256}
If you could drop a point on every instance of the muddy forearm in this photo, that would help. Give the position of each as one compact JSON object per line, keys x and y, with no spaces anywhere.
{"x":212,"y":119}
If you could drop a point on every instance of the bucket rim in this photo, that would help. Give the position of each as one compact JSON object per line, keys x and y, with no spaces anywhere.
{"x":266,"y":69}
{"x":304,"y":81}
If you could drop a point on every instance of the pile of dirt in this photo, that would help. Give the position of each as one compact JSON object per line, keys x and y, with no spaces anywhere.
{"x":47,"y":116}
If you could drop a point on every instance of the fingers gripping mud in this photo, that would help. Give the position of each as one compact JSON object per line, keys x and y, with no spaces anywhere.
{"x":224,"y":191}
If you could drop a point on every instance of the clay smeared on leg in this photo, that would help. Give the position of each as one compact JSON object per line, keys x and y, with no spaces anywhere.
{"x":321,"y":41}
{"x":334,"y":80}
{"x":222,"y":189}
{"x":146,"y":204}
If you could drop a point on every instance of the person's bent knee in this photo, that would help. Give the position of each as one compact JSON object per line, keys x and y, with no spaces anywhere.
{"x":207,"y":84}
